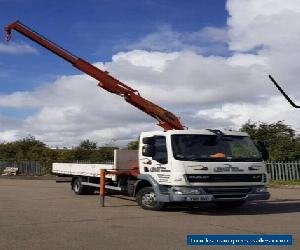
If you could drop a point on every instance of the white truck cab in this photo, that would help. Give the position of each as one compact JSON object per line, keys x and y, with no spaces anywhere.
{"x":218,"y":166}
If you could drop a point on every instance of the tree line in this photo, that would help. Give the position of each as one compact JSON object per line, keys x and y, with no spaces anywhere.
{"x":31,"y":149}
{"x":279,"y":139}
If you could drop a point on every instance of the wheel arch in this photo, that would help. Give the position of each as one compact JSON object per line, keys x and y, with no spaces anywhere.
{"x":145,"y":180}
{"x":139,"y":185}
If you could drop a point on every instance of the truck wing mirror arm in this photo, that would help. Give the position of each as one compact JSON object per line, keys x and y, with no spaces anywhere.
{"x":283,"y":93}
{"x":263,"y":149}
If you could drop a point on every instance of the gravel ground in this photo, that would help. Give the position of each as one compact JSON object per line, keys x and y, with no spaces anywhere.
{"x":43,"y":214}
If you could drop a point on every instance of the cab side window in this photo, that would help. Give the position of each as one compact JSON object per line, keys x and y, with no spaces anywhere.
{"x":160,"y":147}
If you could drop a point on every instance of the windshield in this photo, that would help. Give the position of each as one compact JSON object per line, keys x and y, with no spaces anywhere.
{"x":214,"y":148}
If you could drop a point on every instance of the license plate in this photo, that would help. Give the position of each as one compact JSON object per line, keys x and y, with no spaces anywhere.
{"x":200,"y":198}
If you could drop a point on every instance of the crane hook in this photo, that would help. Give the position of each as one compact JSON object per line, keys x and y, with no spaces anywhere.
{"x":7,"y":34}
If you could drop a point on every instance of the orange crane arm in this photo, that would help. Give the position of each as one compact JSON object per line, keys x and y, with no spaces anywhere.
{"x":166,"y":119}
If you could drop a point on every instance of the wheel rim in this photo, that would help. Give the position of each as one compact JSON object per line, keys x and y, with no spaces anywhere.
{"x":76,"y":187}
{"x":149,"y":199}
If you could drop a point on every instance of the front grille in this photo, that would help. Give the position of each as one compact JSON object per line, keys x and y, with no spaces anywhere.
{"x":224,"y":177}
{"x":227,"y":190}
{"x":226,"y":196}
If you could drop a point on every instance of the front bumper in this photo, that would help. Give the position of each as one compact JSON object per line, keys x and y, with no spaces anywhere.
{"x":219,"y":194}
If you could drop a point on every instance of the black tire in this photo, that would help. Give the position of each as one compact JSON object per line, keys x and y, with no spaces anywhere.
{"x":230,"y":204}
{"x":77,"y":187}
{"x":146,"y":199}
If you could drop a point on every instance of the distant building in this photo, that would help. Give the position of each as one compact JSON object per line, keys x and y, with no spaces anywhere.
{"x":60,"y":147}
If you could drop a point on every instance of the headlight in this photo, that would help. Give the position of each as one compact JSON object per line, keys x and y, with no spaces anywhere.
{"x":186,"y":190}
{"x":261,"y":189}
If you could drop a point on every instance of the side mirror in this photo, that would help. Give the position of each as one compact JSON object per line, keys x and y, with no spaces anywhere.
{"x":263,"y":143}
{"x":148,"y":150}
{"x":149,"y":140}
{"x":264,"y":154}
{"x":262,"y":147}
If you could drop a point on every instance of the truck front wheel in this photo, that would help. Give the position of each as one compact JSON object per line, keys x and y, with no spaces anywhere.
{"x":146,"y":199}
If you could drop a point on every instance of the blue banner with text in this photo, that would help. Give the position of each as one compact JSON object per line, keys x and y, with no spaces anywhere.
{"x":267,"y":240}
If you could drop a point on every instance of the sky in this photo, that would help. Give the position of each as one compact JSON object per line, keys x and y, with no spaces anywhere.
{"x":205,"y":61}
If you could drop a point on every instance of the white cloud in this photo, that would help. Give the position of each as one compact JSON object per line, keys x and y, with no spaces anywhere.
{"x":270,"y":28}
{"x":245,"y":60}
{"x":205,"y":91}
{"x":154,"y":60}
{"x":272,"y":23}
{"x":16,"y":48}
{"x":271,"y":110}
{"x":9,"y":135}
{"x":210,"y":34}
{"x":71,"y":109}
{"x":209,"y":40}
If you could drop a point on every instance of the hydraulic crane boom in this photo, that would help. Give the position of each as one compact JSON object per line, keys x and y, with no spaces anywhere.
{"x":166,"y":119}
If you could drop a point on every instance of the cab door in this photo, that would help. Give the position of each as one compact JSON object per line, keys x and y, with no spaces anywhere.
{"x":154,"y":159}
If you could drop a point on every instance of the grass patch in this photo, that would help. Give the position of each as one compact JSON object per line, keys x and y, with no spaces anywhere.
{"x":283,"y":183}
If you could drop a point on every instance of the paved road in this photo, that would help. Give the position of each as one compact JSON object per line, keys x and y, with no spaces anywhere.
{"x":42,"y":214}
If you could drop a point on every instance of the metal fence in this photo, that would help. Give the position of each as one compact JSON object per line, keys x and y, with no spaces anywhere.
{"x":93,"y":162}
{"x":36,"y":168}
{"x":284,"y":171}
{"x":25,"y":167}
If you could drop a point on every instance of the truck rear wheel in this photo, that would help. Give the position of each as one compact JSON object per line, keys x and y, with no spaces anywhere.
{"x":146,"y":199}
{"x":78,"y":188}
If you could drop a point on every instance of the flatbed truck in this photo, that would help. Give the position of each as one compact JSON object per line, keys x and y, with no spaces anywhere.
{"x":174,"y":165}
{"x":180,"y":166}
